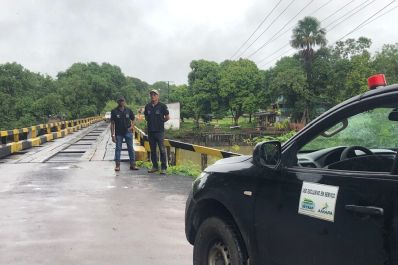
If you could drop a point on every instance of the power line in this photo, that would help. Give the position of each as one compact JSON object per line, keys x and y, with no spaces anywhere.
{"x":379,"y":16}
{"x":361,"y":25}
{"x":284,"y":10}
{"x":338,"y":10}
{"x":350,"y":15}
{"x":276,"y":57}
{"x":331,"y":22}
{"x":290,"y":28}
{"x":366,"y":20}
{"x":284,"y":26}
{"x":281,"y":48}
{"x":258,"y":27}
{"x":322,"y":6}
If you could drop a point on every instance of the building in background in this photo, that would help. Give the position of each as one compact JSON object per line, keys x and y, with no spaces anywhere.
{"x":175,"y":116}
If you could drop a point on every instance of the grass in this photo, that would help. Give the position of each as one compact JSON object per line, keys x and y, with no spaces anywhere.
{"x":186,"y":169}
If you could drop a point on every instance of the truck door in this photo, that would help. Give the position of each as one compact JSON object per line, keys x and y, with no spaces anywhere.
{"x":343,"y":208}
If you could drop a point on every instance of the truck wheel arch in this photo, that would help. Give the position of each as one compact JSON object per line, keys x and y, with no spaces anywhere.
{"x":208,"y":208}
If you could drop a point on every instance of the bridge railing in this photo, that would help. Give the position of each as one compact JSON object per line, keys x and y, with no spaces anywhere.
{"x":16,"y":140}
{"x":174,"y":156}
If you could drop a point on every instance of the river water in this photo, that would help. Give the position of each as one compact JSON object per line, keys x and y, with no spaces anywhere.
{"x":195,"y":158}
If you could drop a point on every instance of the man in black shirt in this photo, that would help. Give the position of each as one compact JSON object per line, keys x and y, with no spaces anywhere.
{"x":122,"y":126}
{"x":156,"y":114}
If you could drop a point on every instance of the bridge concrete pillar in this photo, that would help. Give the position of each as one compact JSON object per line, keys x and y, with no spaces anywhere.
{"x":16,"y":135}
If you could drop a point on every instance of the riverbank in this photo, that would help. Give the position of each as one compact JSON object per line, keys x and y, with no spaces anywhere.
{"x":218,"y":133}
{"x":237,"y":140}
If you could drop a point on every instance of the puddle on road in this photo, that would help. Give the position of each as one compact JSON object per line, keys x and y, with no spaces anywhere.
{"x":62,"y":167}
{"x":66,"y":167}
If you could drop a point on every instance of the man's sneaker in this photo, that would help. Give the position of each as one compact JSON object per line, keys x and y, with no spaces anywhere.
{"x":163,"y":172}
{"x":153,"y":170}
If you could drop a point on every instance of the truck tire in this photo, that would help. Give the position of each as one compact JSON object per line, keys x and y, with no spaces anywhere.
{"x":217,"y":243}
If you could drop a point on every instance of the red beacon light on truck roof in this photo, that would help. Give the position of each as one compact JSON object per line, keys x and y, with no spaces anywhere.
{"x":376,"y":80}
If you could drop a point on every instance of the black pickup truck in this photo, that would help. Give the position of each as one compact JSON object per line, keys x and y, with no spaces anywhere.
{"x":327,"y":196}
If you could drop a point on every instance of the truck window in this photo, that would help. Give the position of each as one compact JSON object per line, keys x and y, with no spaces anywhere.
{"x":371,"y":129}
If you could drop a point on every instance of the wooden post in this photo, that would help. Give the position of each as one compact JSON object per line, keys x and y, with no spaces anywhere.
{"x":203,"y":161}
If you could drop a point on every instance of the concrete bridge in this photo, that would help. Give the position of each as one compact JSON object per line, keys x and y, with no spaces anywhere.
{"x":62,"y":202}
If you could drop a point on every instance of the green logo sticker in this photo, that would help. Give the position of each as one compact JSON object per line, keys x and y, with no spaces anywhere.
{"x":307,"y":204}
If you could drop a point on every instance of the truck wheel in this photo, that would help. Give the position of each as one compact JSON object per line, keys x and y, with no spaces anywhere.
{"x":217,"y":243}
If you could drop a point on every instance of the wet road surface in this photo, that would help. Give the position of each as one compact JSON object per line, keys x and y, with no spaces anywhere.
{"x":83,"y":212}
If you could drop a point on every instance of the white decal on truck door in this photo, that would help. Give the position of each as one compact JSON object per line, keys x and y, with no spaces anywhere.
{"x":318,"y":200}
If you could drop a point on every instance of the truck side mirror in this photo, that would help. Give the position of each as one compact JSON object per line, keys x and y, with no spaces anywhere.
{"x":268,"y":154}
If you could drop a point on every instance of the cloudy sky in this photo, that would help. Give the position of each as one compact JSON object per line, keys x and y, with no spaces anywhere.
{"x":156,"y":39}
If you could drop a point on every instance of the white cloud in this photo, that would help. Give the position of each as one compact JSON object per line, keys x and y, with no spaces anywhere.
{"x":156,"y":39}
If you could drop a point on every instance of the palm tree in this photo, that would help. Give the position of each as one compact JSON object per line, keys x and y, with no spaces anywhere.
{"x":306,"y":36}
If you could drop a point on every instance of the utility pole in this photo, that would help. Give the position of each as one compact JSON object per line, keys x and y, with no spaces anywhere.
{"x":168,"y":90}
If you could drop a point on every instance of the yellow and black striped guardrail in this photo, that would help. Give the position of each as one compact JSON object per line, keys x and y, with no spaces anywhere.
{"x":203,"y":150}
{"x":16,"y":140}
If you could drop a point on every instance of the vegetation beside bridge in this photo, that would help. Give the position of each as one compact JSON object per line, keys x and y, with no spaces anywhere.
{"x":298,"y":87}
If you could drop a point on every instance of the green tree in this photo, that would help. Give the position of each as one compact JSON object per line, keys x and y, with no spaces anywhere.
{"x":307,"y":35}
{"x":135,"y":96}
{"x":239,"y":85}
{"x":386,"y":61}
{"x":86,"y":88}
{"x":181,"y":94}
{"x":287,"y":81}
{"x":351,"y":47}
{"x":203,"y":87}
{"x":109,"y":106}
{"x":20,"y":91}
{"x":351,"y":66}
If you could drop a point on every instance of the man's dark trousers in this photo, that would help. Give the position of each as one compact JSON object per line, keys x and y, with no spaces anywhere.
{"x":157,"y":139}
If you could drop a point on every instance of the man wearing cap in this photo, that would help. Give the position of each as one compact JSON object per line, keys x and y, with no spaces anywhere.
{"x":156,"y":114}
{"x":122,"y":125}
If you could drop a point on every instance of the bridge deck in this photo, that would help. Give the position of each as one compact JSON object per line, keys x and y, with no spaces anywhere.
{"x":62,"y":203}
{"x":90,"y":144}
